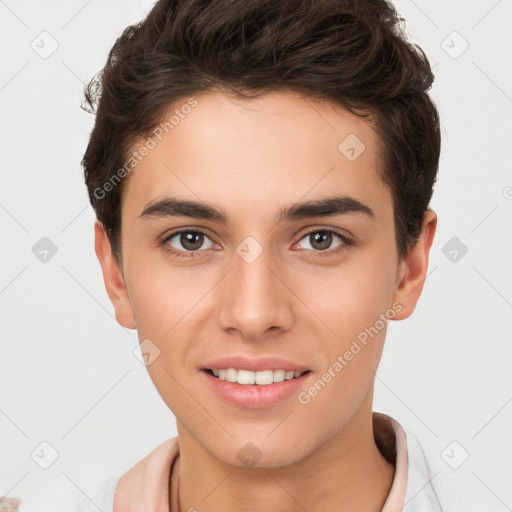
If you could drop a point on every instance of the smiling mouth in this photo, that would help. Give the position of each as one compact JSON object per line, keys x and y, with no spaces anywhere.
{"x":247,"y":377}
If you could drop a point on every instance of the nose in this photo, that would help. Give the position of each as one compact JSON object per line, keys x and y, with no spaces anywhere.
{"x":254,"y":301}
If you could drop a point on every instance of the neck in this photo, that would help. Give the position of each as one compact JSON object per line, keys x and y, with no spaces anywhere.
{"x":346,"y":473}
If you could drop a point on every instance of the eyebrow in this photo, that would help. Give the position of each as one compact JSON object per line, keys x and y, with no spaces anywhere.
{"x":326,"y":207}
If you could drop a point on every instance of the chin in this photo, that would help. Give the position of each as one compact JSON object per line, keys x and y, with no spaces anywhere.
{"x":258,"y":451}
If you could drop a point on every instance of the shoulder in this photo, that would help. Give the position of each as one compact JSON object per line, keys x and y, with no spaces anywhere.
{"x":86,"y":491}
{"x":103,"y":495}
{"x":146,"y":484}
{"x":434,"y":486}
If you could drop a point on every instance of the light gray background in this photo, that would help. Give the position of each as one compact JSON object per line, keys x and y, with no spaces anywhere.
{"x":68,"y":373}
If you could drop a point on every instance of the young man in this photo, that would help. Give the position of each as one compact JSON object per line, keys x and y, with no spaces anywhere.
{"x":261,"y":174}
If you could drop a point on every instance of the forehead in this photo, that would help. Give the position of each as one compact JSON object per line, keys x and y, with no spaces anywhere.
{"x":271,"y":149}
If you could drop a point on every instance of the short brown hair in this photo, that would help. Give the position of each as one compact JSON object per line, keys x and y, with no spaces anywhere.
{"x":352,"y":52}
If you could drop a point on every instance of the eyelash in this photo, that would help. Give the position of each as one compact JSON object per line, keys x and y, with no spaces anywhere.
{"x":347,"y":243}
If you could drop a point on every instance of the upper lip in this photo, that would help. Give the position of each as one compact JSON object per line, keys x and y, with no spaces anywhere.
{"x":255,"y":364}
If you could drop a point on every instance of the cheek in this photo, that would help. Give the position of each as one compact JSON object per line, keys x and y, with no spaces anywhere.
{"x":353,"y":298}
{"x":161,"y":296}
{"x":351,"y":354}
{"x":168,"y":306}
{"x":354,"y":305}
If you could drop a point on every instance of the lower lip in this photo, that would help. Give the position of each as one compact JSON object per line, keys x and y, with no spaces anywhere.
{"x":255,"y":396}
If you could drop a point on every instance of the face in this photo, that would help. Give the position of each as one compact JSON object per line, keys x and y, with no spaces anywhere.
{"x":268,"y":283}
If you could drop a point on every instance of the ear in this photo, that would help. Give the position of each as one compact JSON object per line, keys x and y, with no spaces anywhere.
{"x":113,"y":277}
{"x":412,"y":270}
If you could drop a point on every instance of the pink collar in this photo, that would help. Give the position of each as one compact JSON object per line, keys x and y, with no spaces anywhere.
{"x":146,"y":485}
{"x":396,"y":497}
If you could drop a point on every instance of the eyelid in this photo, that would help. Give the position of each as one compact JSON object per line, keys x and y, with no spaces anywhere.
{"x":343,"y":233}
{"x":340,"y":231}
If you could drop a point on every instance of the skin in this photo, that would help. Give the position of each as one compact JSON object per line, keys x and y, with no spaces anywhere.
{"x":251,"y":158}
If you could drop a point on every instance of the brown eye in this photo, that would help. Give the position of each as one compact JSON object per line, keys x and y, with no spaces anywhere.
{"x":322,"y":240}
{"x":185,"y":241}
{"x":191,"y":241}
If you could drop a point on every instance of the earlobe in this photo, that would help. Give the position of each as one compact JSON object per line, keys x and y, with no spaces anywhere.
{"x":113,"y":277}
{"x":413,"y":269}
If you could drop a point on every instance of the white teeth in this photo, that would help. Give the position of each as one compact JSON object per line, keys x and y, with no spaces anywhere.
{"x":245,"y":377}
{"x":231,"y":375}
{"x":279,"y":375}
{"x":263,"y":378}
